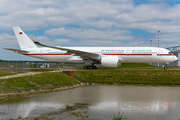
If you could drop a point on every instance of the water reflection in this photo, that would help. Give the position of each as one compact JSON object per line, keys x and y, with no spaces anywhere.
{"x":158,"y":103}
{"x":26,"y":109}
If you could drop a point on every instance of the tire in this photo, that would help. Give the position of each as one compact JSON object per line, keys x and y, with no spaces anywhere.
{"x":90,"y":67}
{"x":94,"y":67}
{"x":165,"y":68}
{"x":85,"y":67}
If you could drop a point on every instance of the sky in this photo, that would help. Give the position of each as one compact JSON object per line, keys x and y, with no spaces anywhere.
{"x":66,"y":23}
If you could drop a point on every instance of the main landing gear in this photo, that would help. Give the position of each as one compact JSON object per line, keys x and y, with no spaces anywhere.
{"x":90,"y":67}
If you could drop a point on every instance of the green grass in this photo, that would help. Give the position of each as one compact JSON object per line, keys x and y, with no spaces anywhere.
{"x":138,"y":65}
{"x":40,"y":81}
{"x":119,"y":117}
{"x":133,"y":66}
{"x":150,"y":75}
{"x":147,"y":77}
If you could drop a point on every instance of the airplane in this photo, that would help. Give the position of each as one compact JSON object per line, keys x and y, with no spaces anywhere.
{"x":106,"y":56}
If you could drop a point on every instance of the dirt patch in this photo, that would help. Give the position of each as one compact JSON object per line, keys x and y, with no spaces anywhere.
{"x":20,"y":75}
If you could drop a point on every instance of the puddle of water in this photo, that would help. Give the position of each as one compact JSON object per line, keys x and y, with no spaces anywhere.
{"x":98,"y":102}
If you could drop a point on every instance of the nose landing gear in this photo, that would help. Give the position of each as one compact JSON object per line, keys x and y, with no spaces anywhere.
{"x":165,"y":67}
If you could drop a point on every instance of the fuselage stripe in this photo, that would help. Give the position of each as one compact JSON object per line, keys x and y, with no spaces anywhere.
{"x":47,"y":54}
{"x":111,"y":54}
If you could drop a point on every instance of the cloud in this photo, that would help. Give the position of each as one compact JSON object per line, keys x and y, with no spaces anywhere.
{"x":42,"y":13}
{"x":91,"y":22}
{"x":7,"y":40}
{"x":81,"y":33}
{"x":99,"y":14}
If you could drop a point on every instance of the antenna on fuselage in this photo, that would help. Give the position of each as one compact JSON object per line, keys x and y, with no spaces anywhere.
{"x":151,"y":43}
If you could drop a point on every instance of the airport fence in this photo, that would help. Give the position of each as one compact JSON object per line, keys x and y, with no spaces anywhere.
{"x":14,"y":66}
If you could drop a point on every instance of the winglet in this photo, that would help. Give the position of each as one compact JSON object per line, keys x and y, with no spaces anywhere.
{"x":36,"y":42}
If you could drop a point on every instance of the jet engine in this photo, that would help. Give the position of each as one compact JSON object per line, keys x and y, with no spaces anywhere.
{"x":112,"y":61}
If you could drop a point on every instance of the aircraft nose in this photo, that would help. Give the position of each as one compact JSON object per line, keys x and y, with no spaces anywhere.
{"x":175,"y":58}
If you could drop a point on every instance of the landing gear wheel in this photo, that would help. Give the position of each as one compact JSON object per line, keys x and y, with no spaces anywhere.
{"x":94,"y":67}
{"x":90,"y":67}
{"x":165,"y":68}
{"x":85,"y":67}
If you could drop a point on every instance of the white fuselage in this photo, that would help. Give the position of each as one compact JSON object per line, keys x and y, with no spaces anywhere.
{"x":125,"y":54}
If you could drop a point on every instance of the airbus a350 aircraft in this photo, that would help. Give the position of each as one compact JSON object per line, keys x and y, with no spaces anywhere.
{"x":106,"y":56}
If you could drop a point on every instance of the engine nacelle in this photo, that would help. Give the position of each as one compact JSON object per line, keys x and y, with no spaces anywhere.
{"x":111,"y":61}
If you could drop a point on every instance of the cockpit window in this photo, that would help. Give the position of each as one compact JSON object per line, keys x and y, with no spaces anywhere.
{"x":170,"y":53}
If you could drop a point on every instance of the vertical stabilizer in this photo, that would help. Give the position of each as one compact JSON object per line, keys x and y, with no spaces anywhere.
{"x":23,"y":40}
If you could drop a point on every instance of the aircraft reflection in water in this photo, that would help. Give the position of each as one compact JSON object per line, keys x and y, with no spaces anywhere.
{"x":27,"y":109}
{"x":103,"y":102}
{"x":34,"y":109}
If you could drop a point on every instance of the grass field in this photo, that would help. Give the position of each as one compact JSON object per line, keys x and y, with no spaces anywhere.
{"x":139,"y":66}
{"x":146,"y":77}
{"x":35,"y":82}
{"x":126,"y":74}
{"x":133,"y":66}
{"x":150,"y":75}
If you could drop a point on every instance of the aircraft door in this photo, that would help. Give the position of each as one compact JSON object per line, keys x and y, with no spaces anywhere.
{"x":41,"y":52}
{"x":127,"y":52}
{"x":154,"y":53}
{"x":160,"y":52}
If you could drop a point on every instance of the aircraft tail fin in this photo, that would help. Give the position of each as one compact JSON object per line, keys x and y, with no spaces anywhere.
{"x":23,"y":40}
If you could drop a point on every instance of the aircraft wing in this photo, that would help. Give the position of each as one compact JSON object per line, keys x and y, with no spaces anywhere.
{"x":16,"y":50}
{"x":83,"y":54}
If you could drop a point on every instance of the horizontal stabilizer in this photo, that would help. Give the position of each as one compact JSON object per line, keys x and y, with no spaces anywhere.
{"x":17,"y":50}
